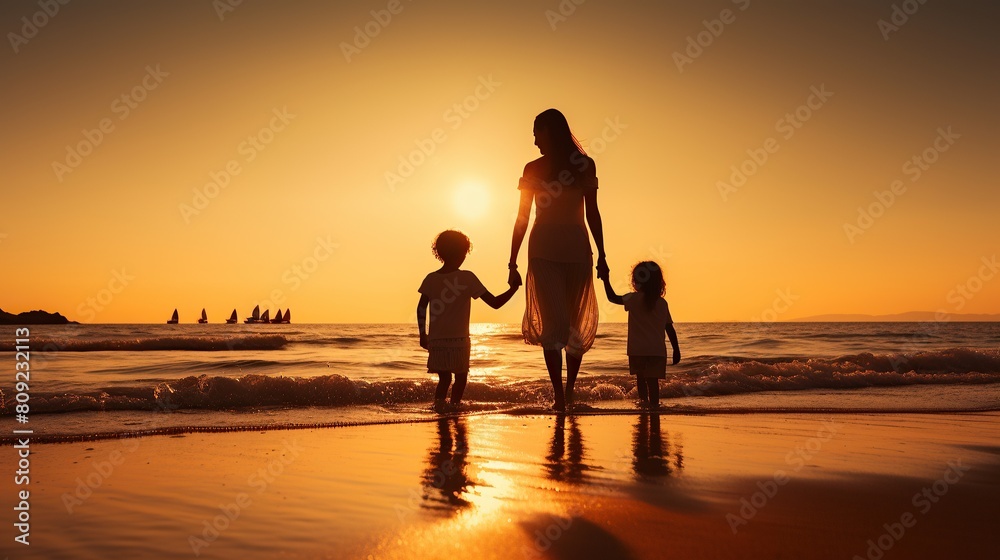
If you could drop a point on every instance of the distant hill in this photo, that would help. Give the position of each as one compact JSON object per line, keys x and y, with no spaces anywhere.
{"x":33,"y":318}
{"x":910,"y":316}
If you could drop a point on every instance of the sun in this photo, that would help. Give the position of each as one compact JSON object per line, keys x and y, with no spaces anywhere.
{"x":471,"y":200}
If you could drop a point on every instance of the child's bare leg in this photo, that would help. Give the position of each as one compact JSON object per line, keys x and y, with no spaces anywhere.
{"x":461,"y":379}
{"x":641,"y":387}
{"x":653,"y":390}
{"x":444,"y":380}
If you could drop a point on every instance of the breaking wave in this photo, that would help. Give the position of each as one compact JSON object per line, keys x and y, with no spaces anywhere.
{"x":704,"y":376}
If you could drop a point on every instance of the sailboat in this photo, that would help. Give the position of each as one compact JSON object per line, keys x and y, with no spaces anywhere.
{"x":255,"y":316}
{"x":232,"y":318}
{"x":265,"y":317}
{"x":277,"y":318}
{"x":204,"y":317}
{"x":287,"y":318}
{"x":173,"y":318}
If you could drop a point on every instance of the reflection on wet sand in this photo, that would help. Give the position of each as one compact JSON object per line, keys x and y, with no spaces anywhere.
{"x":445,"y":480}
{"x":564,"y":462}
{"x":651,"y":450}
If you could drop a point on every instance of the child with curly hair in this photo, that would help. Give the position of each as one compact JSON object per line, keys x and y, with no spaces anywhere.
{"x":448,"y":293}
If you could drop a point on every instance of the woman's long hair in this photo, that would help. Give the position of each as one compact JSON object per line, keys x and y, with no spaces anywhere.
{"x":563,"y":140}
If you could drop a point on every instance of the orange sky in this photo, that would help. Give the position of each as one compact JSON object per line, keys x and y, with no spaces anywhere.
{"x":136,"y":223}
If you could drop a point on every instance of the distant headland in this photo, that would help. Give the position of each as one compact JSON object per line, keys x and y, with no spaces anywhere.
{"x":33,"y":318}
{"x":910,"y":316}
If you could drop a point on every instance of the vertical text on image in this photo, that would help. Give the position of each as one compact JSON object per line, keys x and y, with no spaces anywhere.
{"x":22,"y":446}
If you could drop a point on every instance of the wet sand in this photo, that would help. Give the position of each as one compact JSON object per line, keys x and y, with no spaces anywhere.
{"x":532,"y":486}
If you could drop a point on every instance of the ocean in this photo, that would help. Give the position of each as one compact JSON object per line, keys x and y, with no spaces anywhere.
{"x":100,"y":381}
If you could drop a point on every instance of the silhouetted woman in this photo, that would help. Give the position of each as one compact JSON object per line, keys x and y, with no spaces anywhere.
{"x":561,"y":308}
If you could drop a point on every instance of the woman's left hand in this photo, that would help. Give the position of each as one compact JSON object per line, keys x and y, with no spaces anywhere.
{"x":602,"y":268}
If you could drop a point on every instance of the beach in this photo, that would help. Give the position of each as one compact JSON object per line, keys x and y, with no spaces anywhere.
{"x":571,"y":280}
{"x":531,"y":485}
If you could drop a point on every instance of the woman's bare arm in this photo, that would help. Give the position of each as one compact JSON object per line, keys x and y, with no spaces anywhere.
{"x":520,"y":228}
{"x":597,"y":230}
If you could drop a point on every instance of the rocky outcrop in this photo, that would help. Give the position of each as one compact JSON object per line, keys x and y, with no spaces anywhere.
{"x":33,"y":318}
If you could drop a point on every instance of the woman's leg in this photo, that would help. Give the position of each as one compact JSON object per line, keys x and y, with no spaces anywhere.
{"x":553,"y":362}
{"x":461,"y":379}
{"x":572,"y":369}
{"x":444,"y":380}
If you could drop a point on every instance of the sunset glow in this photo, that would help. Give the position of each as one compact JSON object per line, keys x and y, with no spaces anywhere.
{"x":206,"y":154}
{"x":472,"y":200}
